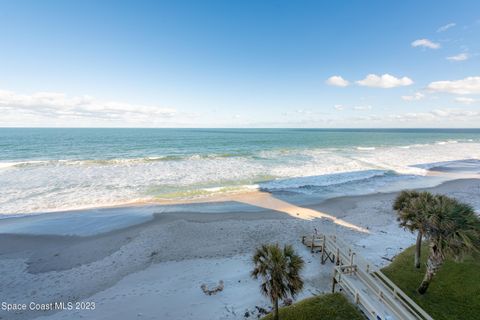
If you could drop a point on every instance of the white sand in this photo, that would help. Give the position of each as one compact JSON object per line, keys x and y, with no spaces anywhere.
{"x":118,"y":272}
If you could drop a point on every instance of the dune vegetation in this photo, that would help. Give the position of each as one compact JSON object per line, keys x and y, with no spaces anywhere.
{"x":454,"y":292}
{"x":329,"y":306}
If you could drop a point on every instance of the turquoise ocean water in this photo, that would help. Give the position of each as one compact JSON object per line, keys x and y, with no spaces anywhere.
{"x":58,"y":169}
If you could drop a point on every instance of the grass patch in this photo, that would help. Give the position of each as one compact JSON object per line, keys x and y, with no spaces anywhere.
{"x":325,"y":307}
{"x":454,"y":292}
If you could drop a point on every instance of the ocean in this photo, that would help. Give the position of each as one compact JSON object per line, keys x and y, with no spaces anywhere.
{"x":44,"y":170}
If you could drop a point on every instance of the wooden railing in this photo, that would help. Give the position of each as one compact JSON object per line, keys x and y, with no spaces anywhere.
{"x":405,"y":300}
{"x":372,"y":291}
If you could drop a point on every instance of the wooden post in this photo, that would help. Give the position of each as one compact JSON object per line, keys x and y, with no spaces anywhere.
{"x":334,"y":280}
{"x":313,"y":241}
{"x":323,"y":251}
{"x":338,"y":256}
{"x":351,"y":258}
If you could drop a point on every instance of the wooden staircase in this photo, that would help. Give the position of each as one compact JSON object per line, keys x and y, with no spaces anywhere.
{"x":376,"y":295}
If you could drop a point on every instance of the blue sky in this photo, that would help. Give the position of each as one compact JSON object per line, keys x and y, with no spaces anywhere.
{"x":240,"y":64}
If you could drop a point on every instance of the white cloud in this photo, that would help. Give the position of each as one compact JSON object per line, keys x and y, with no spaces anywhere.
{"x":435,"y":116}
{"x":414,"y":97}
{"x":465,"y":100}
{"x":425,"y":43}
{"x":339,"y":107}
{"x":337,"y":81}
{"x":455,"y":113}
{"x":384,"y":81}
{"x":53,"y":107}
{"x":469,"y":85}
{"x":459,"y":57}
{"x":304,"y":111}
{"x":362,"y":108}
{"x":446,"y":27}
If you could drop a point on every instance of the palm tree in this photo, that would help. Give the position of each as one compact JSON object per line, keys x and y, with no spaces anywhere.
{"x":413,"y":208}
{"x":280,"y":272}
{"x":453,"y":231}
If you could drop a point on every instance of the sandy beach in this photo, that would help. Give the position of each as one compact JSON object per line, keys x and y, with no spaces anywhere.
{"x":154,"y":267}
{"x":157,"y":156}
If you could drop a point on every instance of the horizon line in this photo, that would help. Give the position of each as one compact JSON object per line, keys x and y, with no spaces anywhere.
{"x":294,"y":128}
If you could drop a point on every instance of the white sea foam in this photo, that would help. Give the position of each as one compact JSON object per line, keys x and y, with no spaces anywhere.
{"x":322,"y":180}
{"x":447,"y":142}
{"x":4,"y":165}
{"x":105,"y":162}
{"x":365,"y":148}
{"x":39,"y":186}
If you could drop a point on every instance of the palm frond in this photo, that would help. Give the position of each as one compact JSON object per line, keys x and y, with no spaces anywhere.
{"x":279,"y":270}
{"x":454,"y":228}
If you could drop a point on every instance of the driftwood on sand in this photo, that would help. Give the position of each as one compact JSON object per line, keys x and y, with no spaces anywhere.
{"x":214,"y":290}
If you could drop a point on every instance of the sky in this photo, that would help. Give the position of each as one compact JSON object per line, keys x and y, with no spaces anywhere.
{"x":308,"y":64}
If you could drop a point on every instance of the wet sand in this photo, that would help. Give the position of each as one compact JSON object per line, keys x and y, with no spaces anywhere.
{"x":153,"y":269}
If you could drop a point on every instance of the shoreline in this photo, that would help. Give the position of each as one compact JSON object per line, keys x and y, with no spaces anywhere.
{"x":440,"y":174}
{"x":432,"y":175}
{"x":169,"y":255}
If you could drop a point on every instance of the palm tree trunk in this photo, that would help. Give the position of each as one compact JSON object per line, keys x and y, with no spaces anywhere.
{"x":275,"y":310}
{"x":418,"y":250}
{"x":434,"y":262}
